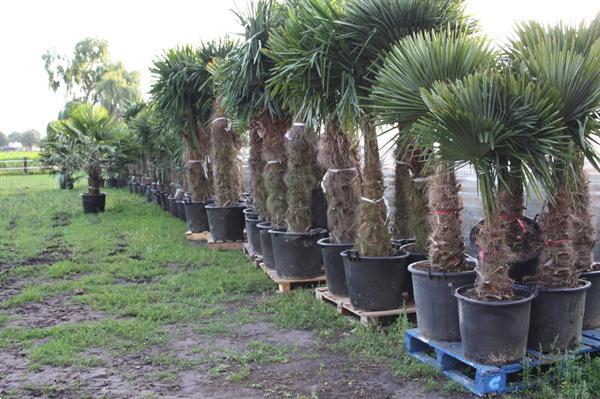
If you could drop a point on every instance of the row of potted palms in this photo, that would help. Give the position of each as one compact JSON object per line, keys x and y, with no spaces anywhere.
{"x":314,"y":81}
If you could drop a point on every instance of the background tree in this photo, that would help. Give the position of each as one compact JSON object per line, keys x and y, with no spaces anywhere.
{"x":3,"y":139}
{"x":90,"y":76}
{"x":30,"y":138}
{"x":15,"y":137}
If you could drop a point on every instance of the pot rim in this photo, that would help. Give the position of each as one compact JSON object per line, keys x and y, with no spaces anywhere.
{"x":412,"y":268}
{"x":412,"y":244}
{"x":250,"y":210}
{"x":236,"y":205}
{"x":459,"y":296}
{"x":265,"y":225}
{"x":591,"y":273}
{"x":198,"y":202}
{"x":583,"y":286}
{"x":402,"y":256}
{"x":313,"y":232}
{"x":326,"y":242}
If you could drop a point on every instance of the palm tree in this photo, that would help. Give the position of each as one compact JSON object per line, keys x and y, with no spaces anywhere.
{"x":566,"y":59}
{"x":416,"y":63}
{"x":58,"y":154}
{"x":491,"y":120}
{"x":241,"y":83}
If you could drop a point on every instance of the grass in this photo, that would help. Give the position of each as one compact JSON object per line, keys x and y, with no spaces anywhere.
{"x":134,"y":268}
{"x":9,"y":155}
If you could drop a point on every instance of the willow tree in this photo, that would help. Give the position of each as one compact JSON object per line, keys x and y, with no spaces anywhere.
{"x":415,"y":63}
{"x":241,"y":82}
{"x":325,"y":58}
{"x":484,"y":120}
{"x":566,"y":59}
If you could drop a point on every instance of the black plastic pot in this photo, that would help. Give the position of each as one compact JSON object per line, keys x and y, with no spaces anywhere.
{"x":130,"y":187}
{"x":195,"y":215}
{"x":520,"y":269}
{"x":413,"y":256}
{"x":334,"y":265}
{"x":165,"y":201}
{"x":181,"y":210}
{"x":375,"y":283}
{"x":557,"y":318}
{"x":437,"y":311}
{"x":173,"y":210}
{"x":93,"y":203}
{"x":250,"y":213}
{"x":318,"y":209}
{"x":494,"y":332}
{"x":591,"y":317}
{"x":149,"y":194}
{"x":266,"y":245}
{"x":297,"y":255}
{"x":158,"y":197}
{"x":226,"y":223}
{"x":253,"y":235}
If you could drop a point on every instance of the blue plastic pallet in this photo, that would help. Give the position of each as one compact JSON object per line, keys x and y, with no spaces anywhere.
{"x":449,"y":358}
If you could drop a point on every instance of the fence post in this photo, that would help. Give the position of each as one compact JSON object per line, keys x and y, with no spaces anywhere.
{"x":25,"y":164}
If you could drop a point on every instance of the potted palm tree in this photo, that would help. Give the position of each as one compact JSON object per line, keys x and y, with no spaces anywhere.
{"x":241,"y":82}
{"x":93,"y":134}
{"x":179,"y":95}
{"x":414,"y":64}
{"x":58,"y":156}
{"x":488,"y":120}
{"x":565,"y":59}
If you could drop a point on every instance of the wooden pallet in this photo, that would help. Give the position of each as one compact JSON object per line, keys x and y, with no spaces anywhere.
{"x":204,"y":239}
{"x":256,"y":259}
{"x":366,"y":318}
{"x":449,"y":358}
{"x":288,"y":284}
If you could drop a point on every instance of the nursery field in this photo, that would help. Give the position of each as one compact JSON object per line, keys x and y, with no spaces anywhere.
{"x":119,"y":305}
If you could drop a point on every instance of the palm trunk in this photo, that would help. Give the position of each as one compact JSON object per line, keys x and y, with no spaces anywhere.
{"x":402,"y":188}
{"x":373,"y":237}
{"x":584,"y":233}
{"x":257,"y":167}
{"x":447,"y":249}
{"x":419,"y":210}
{"x":341,"y":182}
{"x":274,"y":155}
{"x":94,"y":180}
{"x":224,"y":153}
{"x":301,"y":177}
{"x":196,"y":167}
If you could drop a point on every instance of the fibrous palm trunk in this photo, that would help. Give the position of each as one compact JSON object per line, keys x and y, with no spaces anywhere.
{"x":341,"y":182}
{"x":584,"y":233}
{"x":94,"y":179}
{"x":257,"y":167}
{"x":447,"y":248}
{"x":402,"y":188}
{"x":272,"y":131}
{"x":196,"y":166}
{"x":373,"y":237}
{"x":224,"y":153}
{"x":301,"y":177}
{"x":418,"y":208}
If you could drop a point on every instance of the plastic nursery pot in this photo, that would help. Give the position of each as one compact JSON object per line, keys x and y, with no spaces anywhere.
{"x":519,"y":269}
{"x":334,"y":265}
{"x":93,"y":203}
{"x":173,"y":207}
{"x":158,"y":197}
{"x":494,"y":332}
{"x":375,"y":282}
{"x":130,"y":187}
{"x":149,"y":194}
{"x":297,"y":255}
{"x":437,"y":311}
{"x":266,"y":245}
{"x":165,"y":201}
{"x":413,"y":256}
{"x":226,"y":223}
{"x":318,"y":209}
{"x":181,"y":209}
{"x":253,"y":235}
{"x":557,"y":318}
{"x":195,"y":215}
{"x":591,"y":316}
{"x":250,"y":213}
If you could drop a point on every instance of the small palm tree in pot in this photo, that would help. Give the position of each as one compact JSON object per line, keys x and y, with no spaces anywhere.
{"x":566,"y":59}
{"x":494,"y":120}
{"x":414,"y":64}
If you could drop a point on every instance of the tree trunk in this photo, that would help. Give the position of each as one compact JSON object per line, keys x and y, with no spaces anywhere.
{"x":447,"y":249}
{"x":402,"y":189}
{"x":225,"y":147}
{"x":301,"y":177}
{"x":584,"y":234}
{"x":196,"y":167}
{"x":418,"y":208}
{"x":272,"y":131}
{"x":94,"y":180}
{"x":341,"y":182}
{"x":257,"y":167}
{"x":373,"y":237}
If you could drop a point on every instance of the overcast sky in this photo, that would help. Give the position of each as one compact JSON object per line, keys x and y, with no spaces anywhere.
{"x":139,"y":30}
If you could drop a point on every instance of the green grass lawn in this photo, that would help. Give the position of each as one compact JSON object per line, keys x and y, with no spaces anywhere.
{"x":8,"y":155}
{"x":121,"y":305}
